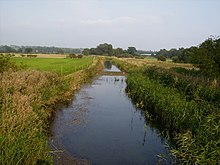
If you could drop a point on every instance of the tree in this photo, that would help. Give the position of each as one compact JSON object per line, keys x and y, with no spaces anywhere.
{"x":28,"y":50}
{"x":118,"y":51}
{"x":104,"y":49}
{"x":60,"y":51}
{"x":85,"y":51}
{"x":132,"y":50}
{"x":161,"y":58}
{"x":7,"y":49}
{"x":207,"y":57}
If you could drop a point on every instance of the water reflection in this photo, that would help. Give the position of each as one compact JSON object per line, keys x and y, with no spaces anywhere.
{"x":102,"y":125}
{"x":108,"y":65}
{"x":110,"y":68}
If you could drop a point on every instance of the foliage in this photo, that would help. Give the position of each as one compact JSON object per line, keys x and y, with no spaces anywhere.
{"x":72,"y":55}
{"x":132,"y":50}
{"x":118,"y":51}
{"x":207,"y":57}
{"x":32,"y":55}
{"x":38,"y":49}
{"x":102,"y":49}
{"x":107,"y":50}
{"x":85,"y":51}
{"x":28,"y":50}
{"x":6,"y":63}
{"x":80,"y":56}
{"x":161,"y":58}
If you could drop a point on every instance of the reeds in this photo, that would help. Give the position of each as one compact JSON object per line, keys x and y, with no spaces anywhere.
{"x":191,"y":83}
{"x":195,"y":124}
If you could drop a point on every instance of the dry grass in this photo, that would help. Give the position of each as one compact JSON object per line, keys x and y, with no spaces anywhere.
{"x":26,"y":101}
{"x":22,"y":134}
{"x":150,"y":62}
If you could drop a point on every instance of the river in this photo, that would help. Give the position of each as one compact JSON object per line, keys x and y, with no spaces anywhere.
{"x":102,"y":126}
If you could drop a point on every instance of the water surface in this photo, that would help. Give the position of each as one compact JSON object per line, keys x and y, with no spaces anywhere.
{"x":102,"y":125}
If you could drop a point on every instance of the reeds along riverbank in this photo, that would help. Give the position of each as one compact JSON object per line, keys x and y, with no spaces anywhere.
{"x":187,"y":106}
{"x":27,"y":98}
{"x":195,"y":125}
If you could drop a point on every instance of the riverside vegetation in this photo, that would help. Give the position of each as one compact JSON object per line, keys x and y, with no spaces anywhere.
{"x":27,"y":99}
{"x":185,"y":102}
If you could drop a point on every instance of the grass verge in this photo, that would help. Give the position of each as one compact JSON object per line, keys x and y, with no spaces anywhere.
{"x":27,"y":98}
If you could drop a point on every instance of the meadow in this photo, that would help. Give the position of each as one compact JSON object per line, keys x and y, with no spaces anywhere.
{"x":61,"y":66}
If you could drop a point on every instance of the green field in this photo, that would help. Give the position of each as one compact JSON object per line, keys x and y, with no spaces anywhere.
{"x":59,"y":65}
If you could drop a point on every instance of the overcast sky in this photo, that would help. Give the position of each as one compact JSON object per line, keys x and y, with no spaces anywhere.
{"x":145,"y":24}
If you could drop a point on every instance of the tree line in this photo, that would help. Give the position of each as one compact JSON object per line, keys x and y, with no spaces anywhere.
{"x":38,"y":49}
{"x":206,"y":56}
{"x":108,"y":50}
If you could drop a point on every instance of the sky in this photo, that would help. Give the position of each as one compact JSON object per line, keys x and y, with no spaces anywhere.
{"x":145,"y":24}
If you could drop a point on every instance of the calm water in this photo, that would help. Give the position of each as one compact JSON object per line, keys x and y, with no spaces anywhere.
{"x":102,"y":125}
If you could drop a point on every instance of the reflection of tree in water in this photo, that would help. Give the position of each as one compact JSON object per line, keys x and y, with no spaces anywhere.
{"x":108,"y":65}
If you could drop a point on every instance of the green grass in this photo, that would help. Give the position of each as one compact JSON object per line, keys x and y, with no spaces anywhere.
{"x":184,"y":103}
{"x":195,"y":125}
{"x":58,"y":65}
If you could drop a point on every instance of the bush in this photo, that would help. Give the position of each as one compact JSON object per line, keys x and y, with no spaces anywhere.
{"x":80,"y":56}
{"x":32,"y":55}
{"x":72,"y":55}
{"x":161,"y":58}
{"x":6,"y":63}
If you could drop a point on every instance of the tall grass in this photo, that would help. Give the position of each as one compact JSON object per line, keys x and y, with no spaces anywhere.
{"x":23,"y":116}
{"x":27,"y":98}
{"x":190,"y":83}
{"x":195,"y":125}
{"x":185,"y":103}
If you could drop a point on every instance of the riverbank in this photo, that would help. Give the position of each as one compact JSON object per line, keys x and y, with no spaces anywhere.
{"x":27,"y":101}
{"x":185,"y":103}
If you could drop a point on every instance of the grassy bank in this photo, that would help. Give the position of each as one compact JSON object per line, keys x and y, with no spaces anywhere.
{"x":27,"y":98}
{"x":186,"y":104}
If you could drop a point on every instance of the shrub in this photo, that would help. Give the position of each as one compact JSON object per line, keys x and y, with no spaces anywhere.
{"x":6,"y":63}
{"x":32,"y":55}
{"x":72,"y":55}
{"x":161,"y":58}
{"x":80,"y":56}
